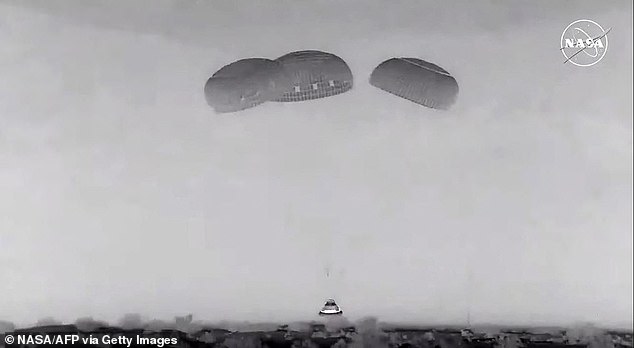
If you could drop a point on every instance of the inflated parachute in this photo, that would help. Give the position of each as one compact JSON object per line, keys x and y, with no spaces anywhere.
{"x":419,"y":81}
{"x":246,"y":83}
{"x":314,"y":74}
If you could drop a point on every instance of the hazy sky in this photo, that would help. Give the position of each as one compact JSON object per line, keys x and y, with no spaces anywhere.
{"x":121,"y":191}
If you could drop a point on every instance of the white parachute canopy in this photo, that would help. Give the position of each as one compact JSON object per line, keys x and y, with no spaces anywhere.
{"x":314,"y":75}
{"x":246,"y":83}
{"x":416,"y":80}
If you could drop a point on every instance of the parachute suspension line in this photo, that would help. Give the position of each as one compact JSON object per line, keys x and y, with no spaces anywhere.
{"x":469,"y":296}
{"x":331,"y":283}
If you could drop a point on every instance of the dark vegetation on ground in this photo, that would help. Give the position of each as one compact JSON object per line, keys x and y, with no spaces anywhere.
{"x":336,"y":332}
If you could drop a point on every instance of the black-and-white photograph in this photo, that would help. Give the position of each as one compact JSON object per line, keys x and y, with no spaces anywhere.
{"x":316,"y":173}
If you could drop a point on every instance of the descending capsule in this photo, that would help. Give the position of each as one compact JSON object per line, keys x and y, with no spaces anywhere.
{"x":416,"y":80}
{"x":330,"y":308}
{"x":314,"y":74}
{"x":244,"y":84}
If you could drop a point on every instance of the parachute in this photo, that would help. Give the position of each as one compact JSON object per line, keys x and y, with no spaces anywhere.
{"x":314,"y":74}
{"x":244,"y":84}
{"x":416,"y":80}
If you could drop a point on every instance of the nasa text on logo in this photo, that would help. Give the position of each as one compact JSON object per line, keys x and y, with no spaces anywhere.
{"x":584,"y":42}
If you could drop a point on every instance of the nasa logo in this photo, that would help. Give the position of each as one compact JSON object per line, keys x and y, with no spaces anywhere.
{"x":584,"y":42}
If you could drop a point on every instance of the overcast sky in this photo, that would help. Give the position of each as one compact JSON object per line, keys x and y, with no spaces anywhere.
{"x":121,"y":191}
